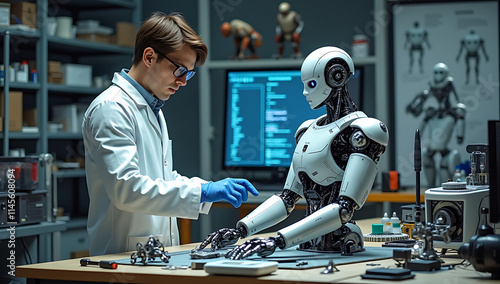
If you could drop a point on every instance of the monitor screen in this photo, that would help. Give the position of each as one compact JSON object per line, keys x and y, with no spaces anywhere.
{"x":264,"y":108}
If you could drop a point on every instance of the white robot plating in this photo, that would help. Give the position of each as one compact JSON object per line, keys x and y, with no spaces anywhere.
{"x":333,"y":167}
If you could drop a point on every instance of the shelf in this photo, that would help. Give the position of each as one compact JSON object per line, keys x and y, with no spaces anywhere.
{"x":21,"y":135}
{"x":20,"y":33}
{"x":33,"y":230}
{"x":65,"y":135}
{"x":272,"y":63}
{"x":85,"y":47}
{"x":69,"y":173}
{"x":22,"y":86}
{"x":63,"y":89}
{"x":102,"y":4}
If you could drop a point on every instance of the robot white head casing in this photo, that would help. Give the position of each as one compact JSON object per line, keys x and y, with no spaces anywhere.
{"x":324,"y":69}
{"x":441,"y":72}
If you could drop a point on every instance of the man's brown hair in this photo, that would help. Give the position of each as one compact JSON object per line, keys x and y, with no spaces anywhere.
{"x":168,"y":33}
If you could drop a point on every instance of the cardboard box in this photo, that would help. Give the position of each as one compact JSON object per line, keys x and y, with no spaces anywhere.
{"x":71,"y":116}
{"x":4,"y":14}
{"x":30,"y":117}
{"x":95,"y":37}
{"x":125,"y":34}
{"x":77,"y":75}
{"x":24,"y":12}
{"x":15,"y":111}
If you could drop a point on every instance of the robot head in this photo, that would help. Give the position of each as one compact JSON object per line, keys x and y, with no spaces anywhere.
{"x":284,"y":8}
{"x":440,"y":72}
{"x":325,"y":69}
{"x":225,"y":29}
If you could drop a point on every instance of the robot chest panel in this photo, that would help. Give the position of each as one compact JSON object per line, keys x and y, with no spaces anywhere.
{"x":287,"y":23}
{"x":313,"y":155}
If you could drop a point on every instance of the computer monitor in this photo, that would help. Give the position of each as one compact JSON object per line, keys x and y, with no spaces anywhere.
{"x":263,"y":110}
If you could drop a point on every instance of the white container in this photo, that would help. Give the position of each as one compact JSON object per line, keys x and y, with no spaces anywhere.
{"x":77,"y":75}
{"x":386,"y":221}
{"x":64,"y":27}
{"x":360,"y":46}
{"x":51,"y":26}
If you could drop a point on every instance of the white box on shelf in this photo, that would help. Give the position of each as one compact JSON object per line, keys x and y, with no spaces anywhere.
{"x":77,"y":75}
{"x":71,"y":116}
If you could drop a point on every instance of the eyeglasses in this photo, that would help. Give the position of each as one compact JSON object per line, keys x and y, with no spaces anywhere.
{"x":180,"y":70}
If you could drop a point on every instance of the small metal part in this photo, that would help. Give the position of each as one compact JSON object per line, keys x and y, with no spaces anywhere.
{"x":204,"y":254}
{"x":330,"y":268}
{"x":300,"y":263}
{"x":197,"y":265}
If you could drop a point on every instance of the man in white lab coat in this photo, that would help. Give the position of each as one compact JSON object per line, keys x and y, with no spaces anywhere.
{"x":134,"y":191}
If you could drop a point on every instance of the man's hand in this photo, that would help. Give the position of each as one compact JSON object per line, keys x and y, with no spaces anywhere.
{"x":233,"y":190}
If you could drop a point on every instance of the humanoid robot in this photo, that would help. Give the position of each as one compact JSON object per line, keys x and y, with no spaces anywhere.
{"x":439,"y":120}
{"x":416,"y":37}
{"x":244,"y":36}
{"x":334,"y":166}
{"x":472,"y":43}
{"x":288,"y":28}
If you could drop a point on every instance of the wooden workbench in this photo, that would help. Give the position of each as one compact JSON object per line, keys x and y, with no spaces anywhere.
{"x":68,"y":271}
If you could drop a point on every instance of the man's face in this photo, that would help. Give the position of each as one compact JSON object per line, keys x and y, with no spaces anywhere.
{"x":162,"y":82}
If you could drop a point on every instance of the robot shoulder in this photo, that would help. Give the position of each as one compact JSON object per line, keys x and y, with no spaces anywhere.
{"x":302,"y":128}
{"x":373,"y":128}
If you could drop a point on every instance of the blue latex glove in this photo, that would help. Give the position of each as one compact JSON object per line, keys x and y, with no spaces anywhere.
{"x":233,"y":190}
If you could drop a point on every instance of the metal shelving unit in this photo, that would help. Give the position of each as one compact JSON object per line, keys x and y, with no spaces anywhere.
{"x":44,"y":47}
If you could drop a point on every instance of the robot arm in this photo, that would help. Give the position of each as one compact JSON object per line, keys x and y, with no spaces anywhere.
{"x":417,"y":105}
{"x":462,"y":44}
{"x":358,"y":180}
{"x":459,"y":113}
{"x":484,"y":50}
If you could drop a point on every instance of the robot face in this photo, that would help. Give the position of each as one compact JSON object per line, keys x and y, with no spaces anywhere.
{"x":317,"y":74}
{"x":440,"y":72}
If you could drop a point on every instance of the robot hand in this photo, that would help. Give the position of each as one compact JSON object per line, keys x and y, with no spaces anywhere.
{"x":263,"y":248}
{"x":222,"y":238}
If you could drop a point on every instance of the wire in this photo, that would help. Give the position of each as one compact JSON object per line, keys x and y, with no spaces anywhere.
{"x":26,"y":252}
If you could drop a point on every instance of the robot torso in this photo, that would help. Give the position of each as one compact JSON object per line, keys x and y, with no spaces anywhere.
{"x":287,"y":22}
{"x":313,"y":153}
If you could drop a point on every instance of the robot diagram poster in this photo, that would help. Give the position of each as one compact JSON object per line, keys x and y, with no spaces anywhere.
{"x":446,"y":83}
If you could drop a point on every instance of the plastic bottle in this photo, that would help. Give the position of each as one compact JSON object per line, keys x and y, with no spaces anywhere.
{"x":457,"y":177}
{"x":386,"y":221}
{"x":395,"y":224}
{"x":22,"y":73}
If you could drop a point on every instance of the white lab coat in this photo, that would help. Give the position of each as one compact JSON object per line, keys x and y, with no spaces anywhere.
{"x":134,"y":192}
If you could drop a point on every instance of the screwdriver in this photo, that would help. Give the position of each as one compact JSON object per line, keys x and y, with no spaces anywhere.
{"x":102,"y":263}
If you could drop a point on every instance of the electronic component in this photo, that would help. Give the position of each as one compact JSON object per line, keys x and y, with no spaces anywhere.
{"x":204,"y":254}
{"x":388,"y":274}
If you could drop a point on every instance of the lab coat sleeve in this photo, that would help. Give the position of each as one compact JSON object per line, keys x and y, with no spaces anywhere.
{"x":110,"y":131}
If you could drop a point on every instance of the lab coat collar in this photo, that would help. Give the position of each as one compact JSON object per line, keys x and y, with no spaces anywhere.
{"x":139,"y":100}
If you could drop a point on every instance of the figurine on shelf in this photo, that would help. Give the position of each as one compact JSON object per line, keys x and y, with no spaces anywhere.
{"x":150,"y":251}
{"x":288,"y":28}
{"x":472,"y":43}
{"x":244,"y":35}
{"x":440,"y":118}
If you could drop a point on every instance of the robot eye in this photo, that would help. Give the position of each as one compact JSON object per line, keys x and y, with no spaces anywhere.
{"x":312,"y":84}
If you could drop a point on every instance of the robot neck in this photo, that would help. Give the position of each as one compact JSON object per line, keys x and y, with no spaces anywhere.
{"x":338,"y":104}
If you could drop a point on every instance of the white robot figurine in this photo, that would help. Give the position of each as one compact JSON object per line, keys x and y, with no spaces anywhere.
{"x":440,"y":119}
{"x":472,"y":43}
{"x":334,"y":166}
{"x":288,"y":28}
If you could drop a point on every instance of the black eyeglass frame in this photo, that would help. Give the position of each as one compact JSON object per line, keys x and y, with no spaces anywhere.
{"x":179,"y":70}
